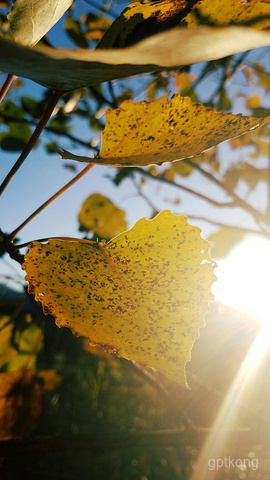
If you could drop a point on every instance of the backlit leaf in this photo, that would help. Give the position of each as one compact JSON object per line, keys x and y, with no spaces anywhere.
{"x":139,"y":20}
{"x":224,"y":239}
{"x":63,"y":69}
{"x":6,"y":349}
{"x":253,"y":102}
{"x":99,"y":215}
{"x":163,"y":131}
{"x":231,"y":12}
{"x":247,"y":172}
{"x":29,"y":344}
{"x":22,"y":396}
{"x":143,"y":295}
{"x":96,"y":26}
{"x":30,"y":20}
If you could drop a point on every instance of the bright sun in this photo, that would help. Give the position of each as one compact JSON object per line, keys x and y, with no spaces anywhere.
{"x":244,"y":278}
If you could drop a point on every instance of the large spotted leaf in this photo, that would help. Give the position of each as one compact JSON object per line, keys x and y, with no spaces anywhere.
{"x":143,"y":295}
{"x":163,"y":131}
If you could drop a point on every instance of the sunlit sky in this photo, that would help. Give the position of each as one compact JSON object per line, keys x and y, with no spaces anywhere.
{"x":244,"y":278}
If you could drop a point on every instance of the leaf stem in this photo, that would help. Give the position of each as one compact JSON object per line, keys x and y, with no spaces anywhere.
{"x":6,"y":85}
{"x":13,"y":234}
{"x":35,"y":135}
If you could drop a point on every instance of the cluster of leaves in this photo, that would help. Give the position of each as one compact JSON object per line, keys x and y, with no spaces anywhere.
{"x":143,"y":294}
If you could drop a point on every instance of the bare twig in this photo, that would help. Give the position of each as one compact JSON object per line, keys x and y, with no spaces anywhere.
{"x":68,"y":135}
{"x":6,"y":85}
{"x":243,"y":230}
{"x":162,"y":179}
{"x":35,"y":135}
{"x":50,"y":200}
{"x":238,"y":202}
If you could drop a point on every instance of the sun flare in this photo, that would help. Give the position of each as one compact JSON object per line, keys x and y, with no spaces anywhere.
{"x":244,"y":278}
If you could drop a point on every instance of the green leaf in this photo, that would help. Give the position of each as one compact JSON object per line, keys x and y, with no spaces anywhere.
{"x":17,"y":137}
{"x":31,"y":106}
{"x":164,"y":131}
{"x":52,"y":147}
{"x":66,"y":70}
{"x":99,"y":215}
{"x":143,"y":295}
{"x":26,"y":345}
{"x":30,"y":20}
{"x":10,"y":109}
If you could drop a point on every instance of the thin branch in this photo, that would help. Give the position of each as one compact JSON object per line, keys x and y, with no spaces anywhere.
{"x":182,"y":187}
{"x":238,"y":202}
{"x":50,"y":129}
{"x":98,"y":96}
{"x":35,"y":135}
{"x":6,"y":85}
{"x":146,"y":199}
{"x":110,"y":86}
{"x":100,"y":9}
{"x":232,"y":227}
{"x":50,"y":200}
{"x":11,"y":248}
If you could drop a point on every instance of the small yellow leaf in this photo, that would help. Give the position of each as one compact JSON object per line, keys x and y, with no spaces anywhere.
{"x":29,"y":344}
{"x":252,"y":175}
{"x":264,"y":80}
{"x":99,"y":215}
{"x":182,"y":168}
{"x":224,"y":239}
{"x":96,"y":26}
{"x":7,"y":352}
{"x":253,"y":102}
{"x":22,"y":400}
{"x":183,"y":80}
{"x":143,"y":295}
